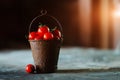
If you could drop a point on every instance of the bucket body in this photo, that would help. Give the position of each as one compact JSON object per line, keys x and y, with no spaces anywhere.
{"x":45,"y":55}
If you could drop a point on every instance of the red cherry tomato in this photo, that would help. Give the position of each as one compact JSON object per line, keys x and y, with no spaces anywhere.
{"x":43,"y":29}
{"x":57,"y":34}
{"x":38,"y":36}
{"x":58,"y":38}
{"x":30,"y":68}
{"x":48,"y":36}
{"x":32,"y":35}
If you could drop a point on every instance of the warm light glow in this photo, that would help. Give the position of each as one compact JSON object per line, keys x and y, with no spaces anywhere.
{"x":116,"y":13}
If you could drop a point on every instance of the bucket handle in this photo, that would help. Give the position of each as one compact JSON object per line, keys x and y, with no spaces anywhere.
{"x":44,"y":13}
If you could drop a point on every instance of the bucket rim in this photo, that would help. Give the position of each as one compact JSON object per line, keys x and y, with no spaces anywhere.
{"x":46,"y":40}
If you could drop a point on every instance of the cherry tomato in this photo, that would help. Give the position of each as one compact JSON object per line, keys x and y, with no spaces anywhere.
{"x":38,"y":36}
{"x":48,"y":36}
{"x":56,"y":37}
{"x":30,"y":68}
{"x":43,"y":29}
{"x":57,"y":34}
{"x":32,"y":35}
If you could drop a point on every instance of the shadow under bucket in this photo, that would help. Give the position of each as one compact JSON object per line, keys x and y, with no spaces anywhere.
{"x":45,"y":55}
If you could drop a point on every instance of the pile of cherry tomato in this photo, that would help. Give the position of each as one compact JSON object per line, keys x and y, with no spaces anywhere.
{"x":44,"y":33}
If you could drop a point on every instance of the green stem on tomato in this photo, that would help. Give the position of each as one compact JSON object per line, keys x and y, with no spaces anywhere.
{"x":54,"y":29}
{"x":40,"y":24}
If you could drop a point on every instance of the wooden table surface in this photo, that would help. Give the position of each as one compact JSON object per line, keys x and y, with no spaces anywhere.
{"x":74,"y":64}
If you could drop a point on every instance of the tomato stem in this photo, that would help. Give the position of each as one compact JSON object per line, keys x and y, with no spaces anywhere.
{"x":40,"y":24}
{"x":54,"y":28}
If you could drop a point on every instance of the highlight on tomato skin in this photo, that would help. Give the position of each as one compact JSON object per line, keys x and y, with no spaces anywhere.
{"x":48,"y":36}
{"x":43,"y":29}
{"x":32,"y":35}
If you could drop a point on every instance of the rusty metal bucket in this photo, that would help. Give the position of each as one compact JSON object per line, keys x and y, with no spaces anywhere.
{"x":45,"y":53}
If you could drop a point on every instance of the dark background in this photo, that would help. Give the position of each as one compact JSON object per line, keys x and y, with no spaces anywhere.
{"x":81,"y":21}
{"x":16,"y":15}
